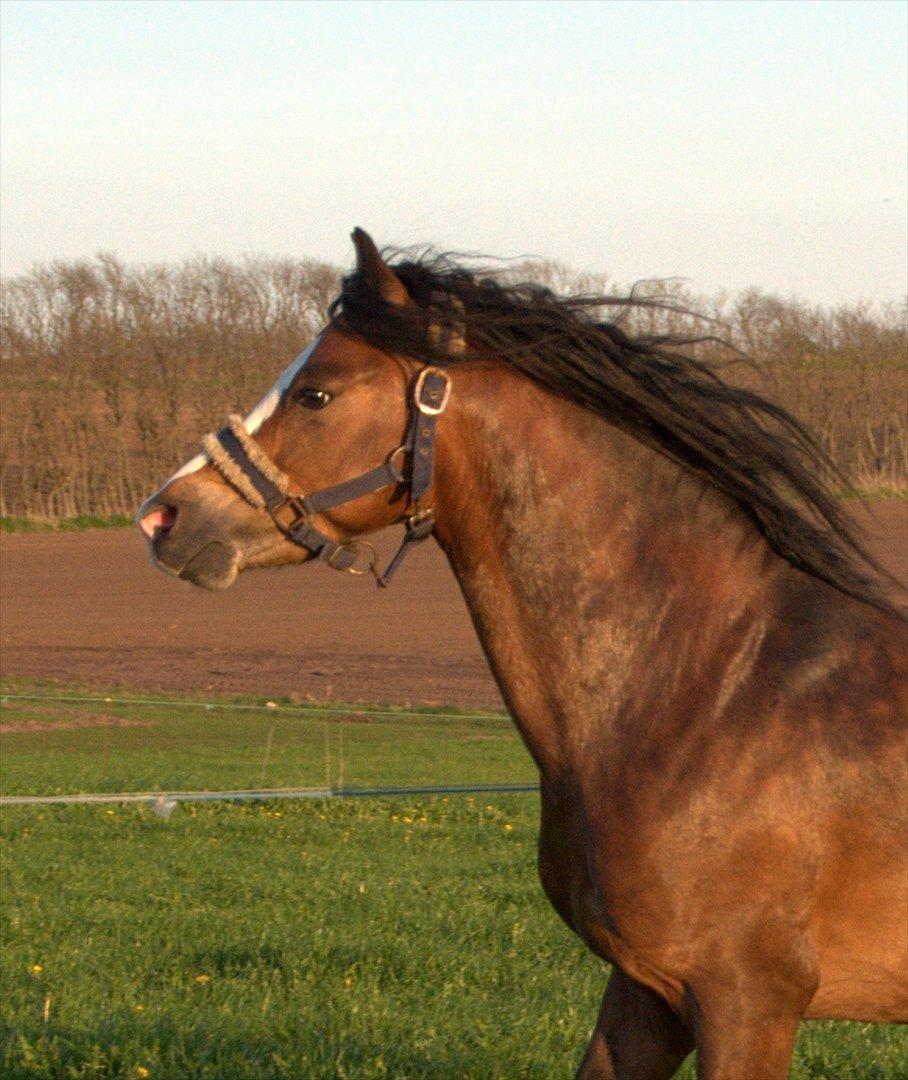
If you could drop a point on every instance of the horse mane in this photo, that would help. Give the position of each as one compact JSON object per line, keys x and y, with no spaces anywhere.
{"x":748,"y":447}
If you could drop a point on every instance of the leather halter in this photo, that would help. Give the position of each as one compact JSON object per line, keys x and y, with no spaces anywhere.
{"x":243,"y":463}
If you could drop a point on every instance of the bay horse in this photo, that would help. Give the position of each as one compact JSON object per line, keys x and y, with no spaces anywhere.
{"x":674,"y":606}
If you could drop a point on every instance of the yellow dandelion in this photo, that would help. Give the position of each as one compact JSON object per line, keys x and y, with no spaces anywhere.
{"x":138,"y":1008}
{"x":142,"y":1072}
{"x":203,"y":979}
{"x":508,"y":827}
{"x":489,"y":808}
{"x":36,"y":969}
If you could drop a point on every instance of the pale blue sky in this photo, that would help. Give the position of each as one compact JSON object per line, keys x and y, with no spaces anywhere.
{"x":731,"y":143}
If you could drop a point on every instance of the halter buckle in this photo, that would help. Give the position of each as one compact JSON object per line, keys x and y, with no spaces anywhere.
{"x":420,"y":524}
{"x":432,"y":401}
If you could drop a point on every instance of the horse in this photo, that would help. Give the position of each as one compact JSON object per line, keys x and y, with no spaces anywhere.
{"x":679,"y":614}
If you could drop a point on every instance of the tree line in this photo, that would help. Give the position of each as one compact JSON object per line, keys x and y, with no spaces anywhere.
{"x":109,"y":373}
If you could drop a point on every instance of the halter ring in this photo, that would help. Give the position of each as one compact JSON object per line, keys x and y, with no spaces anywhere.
{"x":397,"y":470}
{"x":357,"y":547}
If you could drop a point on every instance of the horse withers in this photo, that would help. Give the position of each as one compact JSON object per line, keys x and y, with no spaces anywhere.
{"x":679,"y":615}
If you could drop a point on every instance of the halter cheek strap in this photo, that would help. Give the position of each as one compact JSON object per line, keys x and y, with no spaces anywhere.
{"x":245,"y":466}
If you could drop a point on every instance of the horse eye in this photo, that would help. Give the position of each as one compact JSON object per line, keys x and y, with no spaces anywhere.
{"x":312,"y":399}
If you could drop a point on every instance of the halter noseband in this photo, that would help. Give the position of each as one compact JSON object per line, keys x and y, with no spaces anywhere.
{"x":243,"y":463}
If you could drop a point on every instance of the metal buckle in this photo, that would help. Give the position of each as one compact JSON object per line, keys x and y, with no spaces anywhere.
{"x":425,"y":408}
{"x":421,"y":524}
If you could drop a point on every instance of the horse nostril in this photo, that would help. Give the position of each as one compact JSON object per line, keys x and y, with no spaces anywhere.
{"x":157,"y":523}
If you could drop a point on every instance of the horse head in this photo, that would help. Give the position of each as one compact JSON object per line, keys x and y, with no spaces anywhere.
{"x":344,"y":421}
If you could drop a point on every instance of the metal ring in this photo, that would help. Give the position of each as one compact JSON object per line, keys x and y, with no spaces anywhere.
{"x":397,"y":471}
{"x":355,"y":547}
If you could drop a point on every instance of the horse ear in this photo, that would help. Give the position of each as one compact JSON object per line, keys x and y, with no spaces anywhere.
{"x":375,"y":271}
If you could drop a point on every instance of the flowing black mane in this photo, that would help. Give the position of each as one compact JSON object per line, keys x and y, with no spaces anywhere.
{"x":748,"y":447}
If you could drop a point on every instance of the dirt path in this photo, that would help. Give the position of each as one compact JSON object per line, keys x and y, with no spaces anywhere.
{"x":87,"y":608}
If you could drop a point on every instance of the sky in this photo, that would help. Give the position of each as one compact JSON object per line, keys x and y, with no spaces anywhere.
{"x":733,"y":144}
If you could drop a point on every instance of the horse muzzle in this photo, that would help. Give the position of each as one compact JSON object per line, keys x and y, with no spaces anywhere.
{"x":181,"y":543}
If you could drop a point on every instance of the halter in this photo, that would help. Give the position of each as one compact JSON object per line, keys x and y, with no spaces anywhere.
{"x":247,"y":468}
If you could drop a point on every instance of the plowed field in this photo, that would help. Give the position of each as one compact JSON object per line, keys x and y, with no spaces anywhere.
{"x":87,"y":608}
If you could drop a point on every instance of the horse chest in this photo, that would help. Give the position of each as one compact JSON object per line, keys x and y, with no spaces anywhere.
{"x":565,"y":872}
{"x":618,"y":932}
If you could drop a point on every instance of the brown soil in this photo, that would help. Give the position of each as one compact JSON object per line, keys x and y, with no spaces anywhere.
{"x":62,"y":720}
{"x":87,"y":608}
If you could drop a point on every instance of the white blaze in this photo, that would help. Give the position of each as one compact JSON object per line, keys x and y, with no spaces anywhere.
{"x":260,"y":413}
{"x":269,"y":402}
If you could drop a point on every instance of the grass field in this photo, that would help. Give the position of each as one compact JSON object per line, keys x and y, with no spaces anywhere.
{"x":64,"y":524}
{"x":386,"y":937}
{"x":61,"y":747}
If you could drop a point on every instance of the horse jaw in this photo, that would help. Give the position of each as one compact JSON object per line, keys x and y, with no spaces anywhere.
{"x":214,"y":567}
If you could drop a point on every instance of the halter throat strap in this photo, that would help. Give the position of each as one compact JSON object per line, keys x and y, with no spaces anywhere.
{"x":247,"y":468}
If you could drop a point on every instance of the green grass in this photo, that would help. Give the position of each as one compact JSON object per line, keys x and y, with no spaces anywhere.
{"x":112,"y":746}
{"x":383,"y":937}
{"x":67,"y":524}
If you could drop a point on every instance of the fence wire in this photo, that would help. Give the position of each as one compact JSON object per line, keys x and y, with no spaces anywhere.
{"x":162,"y":800}
{"x":165,"y":801}
{"x":313,"y":710}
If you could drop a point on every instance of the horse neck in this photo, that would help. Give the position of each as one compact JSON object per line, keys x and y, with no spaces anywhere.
{"x":594,"y":568}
